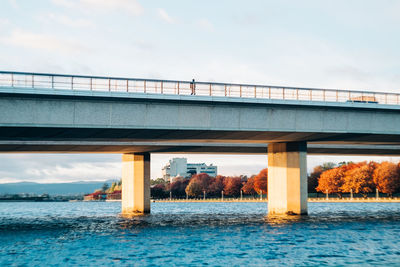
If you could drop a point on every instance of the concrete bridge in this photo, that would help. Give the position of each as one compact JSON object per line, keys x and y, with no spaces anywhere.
{"x":42,"y":113}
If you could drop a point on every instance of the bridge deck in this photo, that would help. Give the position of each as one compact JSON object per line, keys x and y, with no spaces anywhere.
{"x":169,"y":87}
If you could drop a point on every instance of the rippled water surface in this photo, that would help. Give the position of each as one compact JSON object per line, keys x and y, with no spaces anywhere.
{"x":92,"y":233}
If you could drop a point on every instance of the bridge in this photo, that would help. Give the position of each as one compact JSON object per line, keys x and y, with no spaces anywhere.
{"x":42,"y":113}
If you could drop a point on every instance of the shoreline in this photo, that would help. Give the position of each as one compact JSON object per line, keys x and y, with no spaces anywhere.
{"x":316,"y":200}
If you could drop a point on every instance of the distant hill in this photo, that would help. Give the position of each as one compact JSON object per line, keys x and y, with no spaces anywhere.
{"x":52,"y":189}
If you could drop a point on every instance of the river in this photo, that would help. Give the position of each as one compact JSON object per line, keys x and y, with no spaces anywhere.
{"x":92,"y":233}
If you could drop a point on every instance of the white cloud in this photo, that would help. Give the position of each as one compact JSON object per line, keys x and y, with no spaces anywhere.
{"x":162,"y":14}
{"x":14,"y":3}
{"x":58,"y":168}
{"x":67,"y":21}
{"x":4,"y":22}
{"x":206,"y":25}
{"x":41,"y":41}
{"x":131,"y":7}
{"x":64,"y":3}
{"x":78,"y":171}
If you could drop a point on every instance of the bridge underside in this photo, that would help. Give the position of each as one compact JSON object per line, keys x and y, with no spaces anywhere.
{"x":201,"y":148}
{"x":101,"y":140}
{"x":182,"y":135}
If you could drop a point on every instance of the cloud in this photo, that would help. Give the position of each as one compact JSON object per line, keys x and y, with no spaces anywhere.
{"x":41,"y":41}
{"x":4,"y":22}
{"x":206,"y":25}
{"x":82,"y":171}
{"x":58,"y":168}
{"x":143,"y":45}
{"x":131,"y":7}
{"x":14,"y":4}
{"x":162,"y":14}
{"x":67,"y":21}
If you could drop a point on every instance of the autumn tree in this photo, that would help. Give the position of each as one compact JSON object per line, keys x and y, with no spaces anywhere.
{"x":232,"y":186}
{"x":158,"y":191}
{"x":332,"y":181}
{"x":216,"y":186}
{"x":386,"y":178}
{"x":178,"y":186}
{"x":316,"y":173}
{"x":358,"y":178}
{"x":248,"y":187}
{"x":261,"y":181}
{"x":198,"y":184}
{"x":313,"y":179}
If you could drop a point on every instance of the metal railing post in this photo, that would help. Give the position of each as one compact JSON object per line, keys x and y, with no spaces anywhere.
{"x":109,"y":84}
{"x":283,"y":93}
{"x":52,"y":82}
{"x":225,"y":89}
{"x":12,"y":80}
{"x":162,"y":88}
{"x":269,"y":92}
{"x":127,"y":85}
{"x":72,"y":83}
{"x":324,"y":95}
{"x":178,"y":88}
{"x":33,"y":81}
{"x":240,"y":91}
{"x":297,"y":94}
{"x":310,"y":95}
{"x":144,"y":88}
{"x":337,"y":96}
{"x":255,"y":91}
{"x":91,"y":84}
{"x":210,"y":89}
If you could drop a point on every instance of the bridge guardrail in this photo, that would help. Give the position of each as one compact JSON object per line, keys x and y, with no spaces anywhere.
{"x":132,"y":85}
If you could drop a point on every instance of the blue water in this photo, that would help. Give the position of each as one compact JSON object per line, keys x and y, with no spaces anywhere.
{"x":92,"y":233}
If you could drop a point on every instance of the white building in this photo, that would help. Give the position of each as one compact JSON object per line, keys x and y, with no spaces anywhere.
{"x":179,"y":167}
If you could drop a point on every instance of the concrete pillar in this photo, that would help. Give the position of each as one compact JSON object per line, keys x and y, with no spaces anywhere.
{"x":287,"y":178}
{"x":135,"y":183}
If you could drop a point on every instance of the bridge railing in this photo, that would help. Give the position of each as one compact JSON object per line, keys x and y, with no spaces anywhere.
{"x":115,"y":84}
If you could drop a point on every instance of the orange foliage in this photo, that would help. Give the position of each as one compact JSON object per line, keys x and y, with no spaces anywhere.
{"x":386,"y":178}
{"x":216,"y":186}
{"x":358,"y":178}
{"x":198,"y":183}
{"x":332,"y":180}
{"x":248,"y":187}
{"x":232,"y":186}
{"x":261,"y":181}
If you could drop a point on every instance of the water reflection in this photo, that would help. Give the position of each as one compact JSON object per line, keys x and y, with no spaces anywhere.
{"x":284,"y":219}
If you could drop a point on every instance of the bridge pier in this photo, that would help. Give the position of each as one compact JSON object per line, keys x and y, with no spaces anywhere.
{"x":287,"y":178}
{"x":135,"y":184}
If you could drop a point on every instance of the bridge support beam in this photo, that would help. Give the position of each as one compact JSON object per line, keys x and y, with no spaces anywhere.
{"x":135,"y":184}
{"x":287,"y":178}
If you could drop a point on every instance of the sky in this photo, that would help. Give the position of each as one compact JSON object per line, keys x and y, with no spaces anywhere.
{"x":323,"y":44}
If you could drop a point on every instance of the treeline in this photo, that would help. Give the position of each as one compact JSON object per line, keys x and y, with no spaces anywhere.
{"x":358,"y":178}
{"x":211,"y":186}
{"x":346,"y":177}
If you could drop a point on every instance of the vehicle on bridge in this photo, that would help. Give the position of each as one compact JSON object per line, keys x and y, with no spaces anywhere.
{"x":363,"y":99}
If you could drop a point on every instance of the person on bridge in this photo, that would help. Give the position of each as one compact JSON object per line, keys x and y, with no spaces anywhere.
{"x":193,"y":87}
